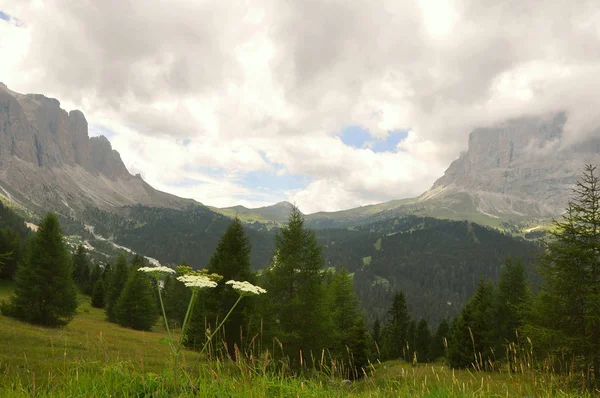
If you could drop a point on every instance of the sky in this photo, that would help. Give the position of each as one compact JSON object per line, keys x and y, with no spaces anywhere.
{"x":328,"y":104}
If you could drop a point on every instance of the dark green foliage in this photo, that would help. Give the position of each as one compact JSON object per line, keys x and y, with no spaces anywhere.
{"x":136,"y":306}
{"x":81,"y":270}
{"x":294,"y":306}
{"x":45,"y":292}
{"x":511,"y":296}
{"x":471,"y":342}
{"x":98,"y":294}
{"x":377,"y":331}
{"x":439,"y":340}
{"x":423,"y":341}
{"x":565,"y":318}
{"x":118,"y":278}
{"x":347,"y":332}
{"x":13,"y":234}
{"x":176,"y":298}
{"x":395,"y":332}
{"x":231,"y":260}
{"x":436,"y":263}
{"x":411,"y":334}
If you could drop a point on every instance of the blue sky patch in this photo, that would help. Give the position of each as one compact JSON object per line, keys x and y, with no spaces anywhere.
{"x":359,"y":137}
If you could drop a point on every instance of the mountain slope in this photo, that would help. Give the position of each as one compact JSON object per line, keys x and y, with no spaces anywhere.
{"x":47,"y":161}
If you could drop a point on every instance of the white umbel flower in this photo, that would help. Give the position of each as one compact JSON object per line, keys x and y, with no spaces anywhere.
{"x":245,"y":287}
{"x":196,"y":281}
{"x":158,"y":271}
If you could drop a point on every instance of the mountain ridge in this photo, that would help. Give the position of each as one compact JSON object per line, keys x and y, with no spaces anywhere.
{"x":48,"y":160}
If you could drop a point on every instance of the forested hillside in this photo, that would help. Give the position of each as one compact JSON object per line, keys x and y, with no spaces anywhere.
{"x":437,"y":263}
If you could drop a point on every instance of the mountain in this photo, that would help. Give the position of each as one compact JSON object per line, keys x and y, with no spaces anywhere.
{"x":515,"y":174}
{"x":48,"y":161}
{"x":271,"y":215}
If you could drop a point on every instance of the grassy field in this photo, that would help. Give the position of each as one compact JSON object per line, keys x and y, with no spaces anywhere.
{"x":91,"y":357}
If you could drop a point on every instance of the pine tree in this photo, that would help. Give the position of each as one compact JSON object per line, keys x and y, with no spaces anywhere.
{"x":295,"y":291}
{"x":395,"y":334}
{"x":136,"y":306}
{"x":439,"y":340}
{"x":511,"y":296}
{"x":118,"y":278}
{"x":409,"y":349}
{"x":176,"y":298}
{"x":45,"y":291}
{"x":348,"y":333}
{"x":98,"y":294}
{"x":471,"y":338}
{"x":81,"y":269}
{"x":566,"y":315}
{"x":423,"y":341}
{"x":377,"y":331}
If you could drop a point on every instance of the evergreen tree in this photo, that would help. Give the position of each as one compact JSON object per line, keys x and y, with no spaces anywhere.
{"x":377,"y":331}
{"x":471,"y":339}
{"x":176,"y":298}
{"x":423,"y":341}
{"x":409,"y":349}
{"x":295,"y":299}
{"x":395,"y":333}
{"x":98,"y":294}
{"x":95,"y":276}
{"x":11,"y":247}
{"x":81,"y":269}
{"x":136,"y":306}
{"x":566,"y":314}
{"x":348,"y":334}
{"x":511,"y":295}
{"x":45,"y":292}
{"x":438,"y":348}
{"x":118,"y":278}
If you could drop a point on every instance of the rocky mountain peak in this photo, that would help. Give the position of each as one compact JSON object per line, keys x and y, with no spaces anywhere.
{"x":518,"y":168}
{"x":48,"y":159}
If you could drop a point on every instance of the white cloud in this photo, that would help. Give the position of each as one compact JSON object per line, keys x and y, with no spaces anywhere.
{"x":278,"y":80}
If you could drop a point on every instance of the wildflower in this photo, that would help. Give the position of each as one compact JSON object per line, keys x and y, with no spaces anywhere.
{"x":245,"y":287}
{"x":158,"y":271}
{"x":196,"y":281}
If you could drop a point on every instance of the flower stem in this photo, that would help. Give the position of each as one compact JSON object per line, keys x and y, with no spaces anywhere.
{"x":221,"y":324}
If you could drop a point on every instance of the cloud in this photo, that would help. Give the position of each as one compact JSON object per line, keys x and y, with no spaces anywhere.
{"x":194,"y":90}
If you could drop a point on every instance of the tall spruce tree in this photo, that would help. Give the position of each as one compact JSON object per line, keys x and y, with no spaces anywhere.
{"x":395,"y":332}
{"x":176,"y":298}
{"x":472,"y":336}
{"x":566,"y":315}
{"x":347,"y":331}
{"x":511,"y":296}
{"x":231,"y":260}
{"x":45,"y":292}
{"x":81,"y":269}
{"x":439,"y":340}
{"x":423,"y":341}
{"x":295,"y":298}
{"x":118,"y":278}
{"x":136,"y":306}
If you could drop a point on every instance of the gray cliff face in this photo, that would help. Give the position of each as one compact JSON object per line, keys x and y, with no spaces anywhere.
{"x":48,"y":160}
{"x":518,"y":168}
